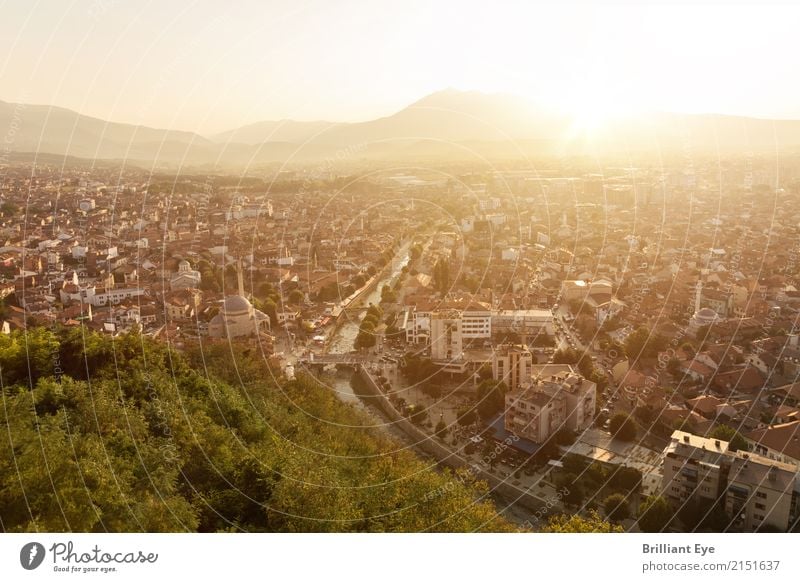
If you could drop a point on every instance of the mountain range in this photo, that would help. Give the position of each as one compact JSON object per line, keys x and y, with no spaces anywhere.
{"x":447,"y":124}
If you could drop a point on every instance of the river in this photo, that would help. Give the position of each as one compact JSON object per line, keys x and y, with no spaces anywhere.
{"x":344,"y":336}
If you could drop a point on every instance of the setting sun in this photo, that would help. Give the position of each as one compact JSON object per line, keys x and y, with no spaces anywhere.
{"x":425,"y":267}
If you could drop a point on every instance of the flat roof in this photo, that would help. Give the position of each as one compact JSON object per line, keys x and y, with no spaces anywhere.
{"x":497,"y":431}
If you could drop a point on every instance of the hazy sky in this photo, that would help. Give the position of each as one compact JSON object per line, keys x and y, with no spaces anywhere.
{"x":207,"y":65}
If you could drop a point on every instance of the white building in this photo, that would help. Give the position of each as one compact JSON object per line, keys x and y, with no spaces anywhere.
{"x":523,"y":321}
{"x":476,"y":321}
{"x":237,"y":318}
{"x":115,"y":296}
{"x":446,"y":336}
{"x":185,"y":278}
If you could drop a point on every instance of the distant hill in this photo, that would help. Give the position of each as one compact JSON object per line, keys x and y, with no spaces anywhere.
{"x":446,"y":124}
{"x":453,"y":116}
{"x":274,"y":131}
{"x":55,"y":130}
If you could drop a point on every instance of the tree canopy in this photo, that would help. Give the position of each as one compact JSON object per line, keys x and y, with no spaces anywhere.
{"x":736,"y":442}
{"x":622,"y":427}
{"x":643,"y":343}
{"x":593,"y":523}
{"x":655,"y":514}
{"x":128,"y":434}
{"x":616,"y":507}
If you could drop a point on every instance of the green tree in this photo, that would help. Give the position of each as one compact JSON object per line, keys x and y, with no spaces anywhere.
{"x":704,"y":515}
{"x":673,"y":366}
{"x":702,"y":333}
{"x":568,"y":356}
{"x":616,"y":507}
{"x":9,"y":209}
{"x":572,"y":488}
{"x":491,"y":398}
{"x":388,"y":295}
{"x":736,"y":442}
{"x":625,"y":479}
{"x":655,"y":514}
{"x":441,"y":275}
{"x":643,"y":343}
{"x":269,"y":307}
{"x":466,"y":415}
{"x":622,"y":427}
{"x":296,"y":297}
{"x":185,"y":441}
{"x":579,"y":524}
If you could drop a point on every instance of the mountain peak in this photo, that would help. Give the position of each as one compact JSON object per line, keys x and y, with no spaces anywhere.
{"x":451,"y":96}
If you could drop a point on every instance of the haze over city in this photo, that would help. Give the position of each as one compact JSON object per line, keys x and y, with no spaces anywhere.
{"x":399,"y":267}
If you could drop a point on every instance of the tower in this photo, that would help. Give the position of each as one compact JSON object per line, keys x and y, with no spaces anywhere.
{"x":240,"y":277}
{"x":698,"y":295}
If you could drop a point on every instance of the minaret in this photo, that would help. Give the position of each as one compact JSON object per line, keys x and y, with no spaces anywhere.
{"x":240,"y":277}
{"x":698,"y":296}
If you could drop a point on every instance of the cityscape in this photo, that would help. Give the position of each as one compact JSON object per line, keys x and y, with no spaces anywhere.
{"x":649,"y":358}
{"x":466,"y":313}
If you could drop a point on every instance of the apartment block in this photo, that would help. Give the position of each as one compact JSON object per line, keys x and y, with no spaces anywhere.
{"x":761,"y":492}
{"x":694,"y":467}
{"x":563,"y":400}
{"x":512,"y":365}
{"x":757,"y":491}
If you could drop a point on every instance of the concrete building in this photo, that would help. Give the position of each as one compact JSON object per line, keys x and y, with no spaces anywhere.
{"x":476,"y":321}
{"x":562,"y":400}
{"x":693,"y":467}
{"x":761,"y":492}
{"x":523,"y":322}
{"x":512,"y":365}
{"x":446,"y":336}
{"x":780,"y":442}
{"x":479,"y":321}
{"x":418,"y":326}
{"x":115,"y":296}
{"x":756,"y":491}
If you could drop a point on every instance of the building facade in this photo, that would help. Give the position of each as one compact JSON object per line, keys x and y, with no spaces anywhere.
{"x":512,"y":365}
{"x":550,"y":402}
{"x":756,"y":492}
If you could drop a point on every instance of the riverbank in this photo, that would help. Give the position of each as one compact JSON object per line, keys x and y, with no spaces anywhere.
{"x":431,"y":446}
{"x":342,"y":336}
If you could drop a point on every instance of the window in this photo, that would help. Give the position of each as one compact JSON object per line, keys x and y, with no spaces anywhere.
{"x":761,"y":495}
{"x":761,"y":506}
{"x":759,"y":517}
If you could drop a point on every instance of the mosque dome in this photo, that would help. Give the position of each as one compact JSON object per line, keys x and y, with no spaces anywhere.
{"x":236,"y":305}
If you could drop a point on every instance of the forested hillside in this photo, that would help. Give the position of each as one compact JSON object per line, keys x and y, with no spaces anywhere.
{"x":125,"y":434}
